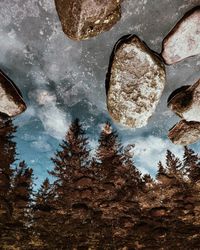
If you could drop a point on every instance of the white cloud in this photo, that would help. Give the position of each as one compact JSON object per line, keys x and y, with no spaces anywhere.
{"x":45,"y":98}
{"x":41,"y":145}
{"x":147,"y":152}
{"x":150,"y":150}
{"x":55,"y":121}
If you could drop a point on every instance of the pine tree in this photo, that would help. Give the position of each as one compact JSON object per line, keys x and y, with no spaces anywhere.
{"x":70,"y":163}
{"x":109,"y":152}
{"x":191,"y":165}
{"x":44,"y":197}
{"x":21,"y":205}
{"x":148,"y":179}
{"x":169,"y":210}
{"x":108,"y":144}
{"x":22,"y":192}
{"x":173,"y":166}
{"x":44,"y":218}
{"x":72,"y":156}
{"x":161,"y":173}
{"x":131,"y":173}
{"x":161,"y":169}
{"x":118,"y":185}
{"x":191,"y":168}
{"x":7,"y":158}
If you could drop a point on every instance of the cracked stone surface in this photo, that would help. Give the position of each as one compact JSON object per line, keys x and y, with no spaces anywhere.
{"x":184,"y":39}
{"x":186,"y":102}
{"x":135,"y":82}
{"x":185,"y":132}
{"x":82,"y":19}
{"x":11,"y":102}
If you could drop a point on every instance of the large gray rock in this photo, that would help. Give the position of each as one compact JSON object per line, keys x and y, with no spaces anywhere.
{"x":185,"y":102}
{"x":135,"y":82}
{"x":11,"y":102}
{"x":185,"y":133}
{"x":82,"y":19}
{"x":184,"y":39}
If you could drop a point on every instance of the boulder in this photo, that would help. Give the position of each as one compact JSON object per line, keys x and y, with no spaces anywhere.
{"x":11,"y":102}
{"x":135,"y":82}
{"x":185,"y":133}
{"x":82,"y":19}
{"x":184,"y":39}
{"x":185,"y":102}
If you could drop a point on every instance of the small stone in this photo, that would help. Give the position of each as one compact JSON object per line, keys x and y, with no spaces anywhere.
{"x":184,"y":39}
{"x":11,"y":102}
{"x":185,"y":102}
{"x":185,"y":133}
{"x":135,"y":82}
{"x":82,"y":19}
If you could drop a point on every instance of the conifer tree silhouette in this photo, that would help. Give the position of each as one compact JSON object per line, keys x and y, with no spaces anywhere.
{"x":44,"y":197}
{"x":191,"y":168}
{"x":118,"y":185}
{"x":173,"y":167}
{"x":103,"y":202}
{"x":147,"y":179}
{"x":161,"y":170}
{"x":73,"y":154}
{"x":134,"y":173}
{"x":21,"y":196}
{"x":98,"y":203}
{"x":44,"y":217}
{"x":168,"y":210}
{"x":109,"y":146}
{"x":109,"y":151}
{"x":176,"y":184}
{"x":15,"y":189}
{"x":22,"y":191}
{"x":70,"y":164}
{"x":7,"y":158}
{"x":191,"y":165}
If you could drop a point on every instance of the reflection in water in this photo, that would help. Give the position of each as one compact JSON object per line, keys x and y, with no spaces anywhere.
{"x":99,"y":203}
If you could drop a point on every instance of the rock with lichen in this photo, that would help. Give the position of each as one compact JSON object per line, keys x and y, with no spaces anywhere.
{"x":11,"y":102}
{"x":185,"y":132}
{"x":135,"y":82}
{"x":184,"y":39}
{"x":82,"y":19}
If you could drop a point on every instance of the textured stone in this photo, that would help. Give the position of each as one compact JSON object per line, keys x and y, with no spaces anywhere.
{"x":185,"y":102}
{"x":185,"y":133}
{"x":184,"y":39}
{"x":11,"y":102}
{"x":82,"y":19}
{"x":135,"y":82}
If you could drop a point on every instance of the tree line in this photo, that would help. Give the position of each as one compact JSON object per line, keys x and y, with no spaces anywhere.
{"x":100,"y":202}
